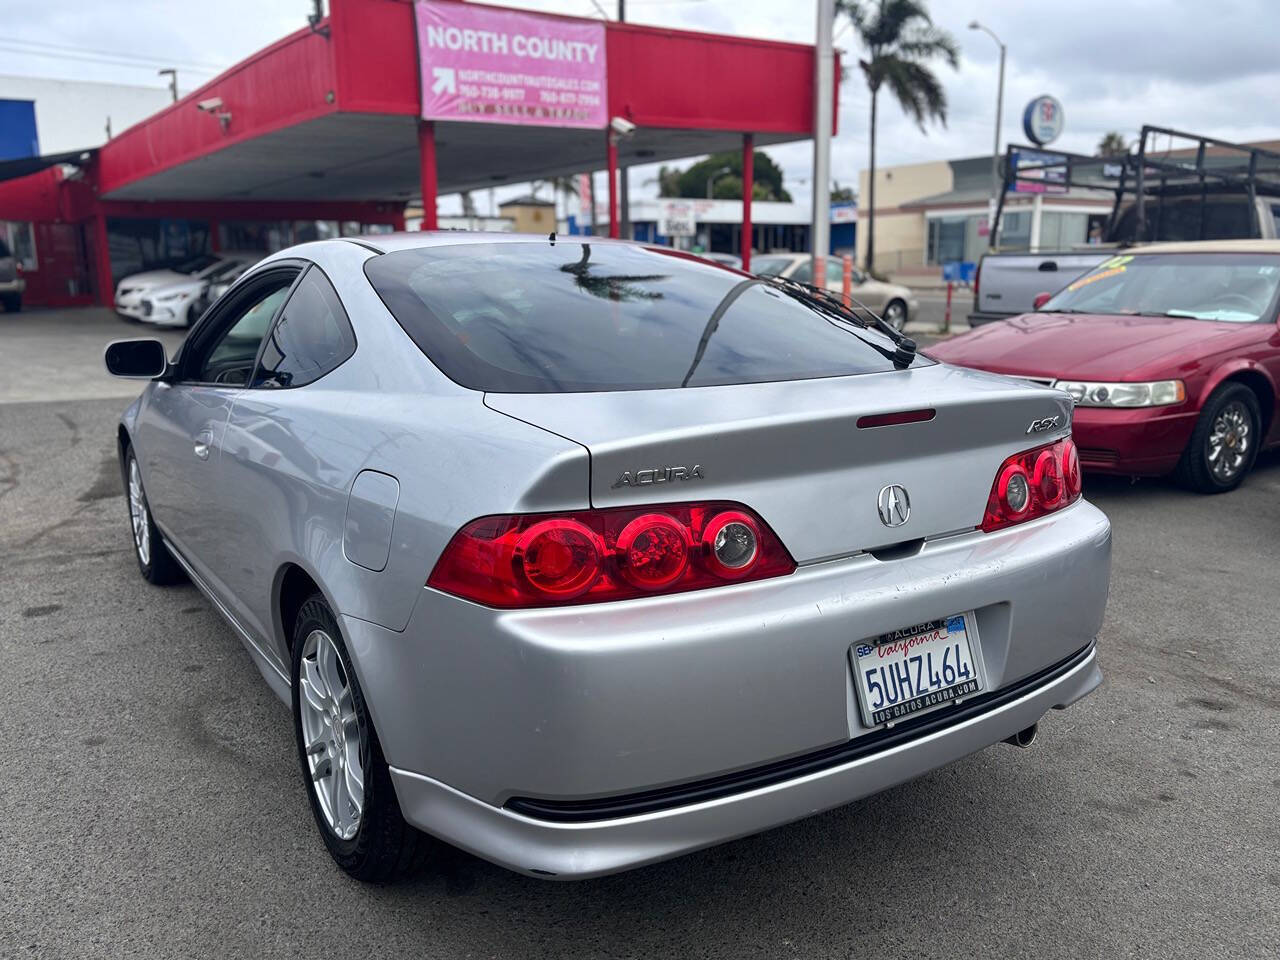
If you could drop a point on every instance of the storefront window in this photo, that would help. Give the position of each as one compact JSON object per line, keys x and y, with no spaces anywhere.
{"x":947,"y":239}
{"x":264,"y":236}
{"x":21,"y":242}
{"x":137,"y":245}
{"x":304,"y":231}
{"x":1062,"y":231}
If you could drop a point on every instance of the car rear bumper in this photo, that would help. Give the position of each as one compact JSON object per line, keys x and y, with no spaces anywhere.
{"x":581,"y":849}
{"x":15,"y":285}
{"x":1131,"y":442}
{"x":475,"y":706}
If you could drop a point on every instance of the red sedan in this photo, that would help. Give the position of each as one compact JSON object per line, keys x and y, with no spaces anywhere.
{"x":1171,"y":352}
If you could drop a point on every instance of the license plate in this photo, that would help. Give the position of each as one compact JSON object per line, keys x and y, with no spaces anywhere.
{"x":914,"y":669}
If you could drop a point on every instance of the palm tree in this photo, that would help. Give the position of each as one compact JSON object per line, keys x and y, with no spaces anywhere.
{"x":568,"y":186}
{"x":1112,"y":145}
{"x":900,"y":40}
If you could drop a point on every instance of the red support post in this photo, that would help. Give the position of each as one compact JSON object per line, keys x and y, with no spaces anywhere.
{"x":612,"y":152}
{"x":427,"y":163}
{"x":102,"y":260}
{"x":748,"y":184}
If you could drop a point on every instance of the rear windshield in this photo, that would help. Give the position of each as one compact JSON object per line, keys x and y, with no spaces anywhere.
{"x":539,"y":317}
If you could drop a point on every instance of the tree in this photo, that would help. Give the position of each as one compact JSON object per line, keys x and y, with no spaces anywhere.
{"x":1112,"y":145}
{"x":727,"y":185}
{"x":841,"y":194}
{"x":566,"y":186}
{"x":900,"y":41}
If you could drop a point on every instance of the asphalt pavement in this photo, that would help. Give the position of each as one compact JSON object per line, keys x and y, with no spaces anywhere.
{"x":151,"y":805}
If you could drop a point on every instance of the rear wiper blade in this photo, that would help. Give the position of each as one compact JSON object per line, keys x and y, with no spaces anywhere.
{"x":904,"y":347}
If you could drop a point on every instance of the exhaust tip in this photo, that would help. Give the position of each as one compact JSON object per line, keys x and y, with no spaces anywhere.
{"x":1025,"y":738}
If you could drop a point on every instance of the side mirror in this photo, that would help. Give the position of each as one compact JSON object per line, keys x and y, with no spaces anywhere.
{"x":1040,"y":300}
{"x":136,"y":359}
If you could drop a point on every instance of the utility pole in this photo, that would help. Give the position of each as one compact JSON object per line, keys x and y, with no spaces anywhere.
{"x":823,"y":85}
{"x":173,"y":81}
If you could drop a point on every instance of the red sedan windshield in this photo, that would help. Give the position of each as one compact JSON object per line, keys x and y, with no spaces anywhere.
{"x":1230,"y":287}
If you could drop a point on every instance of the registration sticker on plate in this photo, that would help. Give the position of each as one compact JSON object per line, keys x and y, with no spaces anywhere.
{"x":914,"y":669}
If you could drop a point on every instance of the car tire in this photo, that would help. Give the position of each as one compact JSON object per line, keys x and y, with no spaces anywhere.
{"x":1224,"y":443}
{"x":155,"y":562}
{"x":895,"y":314}
{"x":347,"y":778}
{"x":12,"y":302}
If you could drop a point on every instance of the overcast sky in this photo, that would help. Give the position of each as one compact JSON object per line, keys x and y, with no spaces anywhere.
{"x":1114,"y":64}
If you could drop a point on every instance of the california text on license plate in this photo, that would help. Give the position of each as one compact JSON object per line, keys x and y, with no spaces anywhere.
{"x":913,"y":669}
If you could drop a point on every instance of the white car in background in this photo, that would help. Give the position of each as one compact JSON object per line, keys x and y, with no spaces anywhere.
{"x":176,"y":296}
{"x":895,"y":303}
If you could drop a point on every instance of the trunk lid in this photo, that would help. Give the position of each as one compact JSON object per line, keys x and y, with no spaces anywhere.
{"x":794,"y":453}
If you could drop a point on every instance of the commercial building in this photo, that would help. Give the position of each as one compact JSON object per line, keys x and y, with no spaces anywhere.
{"x":928,"y":214}
{"x":336,"y":127}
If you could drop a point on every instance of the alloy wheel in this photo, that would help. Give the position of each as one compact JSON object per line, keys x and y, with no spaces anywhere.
{"x":895,"y":315}
{"x":138,"y":514}
{"x":1229,"y":442}
{"x":334,"y":742}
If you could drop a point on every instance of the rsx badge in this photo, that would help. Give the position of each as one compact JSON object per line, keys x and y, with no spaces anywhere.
{"x":658,"y":475}
{"x":1040,"y":426}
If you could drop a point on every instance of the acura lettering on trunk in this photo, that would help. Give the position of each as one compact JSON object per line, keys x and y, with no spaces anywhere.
{"x":441,"y":487}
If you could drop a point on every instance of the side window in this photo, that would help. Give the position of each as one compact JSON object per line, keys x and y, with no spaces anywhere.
{"x":229,"y":357}
{"x":312,"y":336}
{"x":804,"y":272}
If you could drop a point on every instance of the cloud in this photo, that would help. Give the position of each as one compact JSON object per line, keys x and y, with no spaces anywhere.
{"x":1180,"y":63}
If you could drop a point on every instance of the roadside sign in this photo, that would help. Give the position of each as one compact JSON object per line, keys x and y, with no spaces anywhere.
{"x":492,"y":65}
{"x":1039,"y":172}
{"x":678,"y":218}
{"x":1042,"y":120}
{"x":844,"y":213}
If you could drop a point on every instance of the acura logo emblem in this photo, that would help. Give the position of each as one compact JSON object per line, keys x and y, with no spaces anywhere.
{"x":894,"y":504}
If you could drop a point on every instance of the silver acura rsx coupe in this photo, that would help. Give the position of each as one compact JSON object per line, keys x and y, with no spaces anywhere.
{"x":581,"y":554}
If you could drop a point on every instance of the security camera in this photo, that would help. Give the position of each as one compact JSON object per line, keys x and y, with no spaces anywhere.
{"x":622,"y":126}
{"x":210,"y":105}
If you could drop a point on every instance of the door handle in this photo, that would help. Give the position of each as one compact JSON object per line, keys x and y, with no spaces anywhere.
{"x":202,"y":441}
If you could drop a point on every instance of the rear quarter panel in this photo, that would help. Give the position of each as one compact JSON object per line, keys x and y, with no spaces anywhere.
{"x":290,"y":457}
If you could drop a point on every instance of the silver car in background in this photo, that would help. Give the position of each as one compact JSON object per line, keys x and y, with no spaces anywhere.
{"x":582,"y":554}
{"x":892,"y":301}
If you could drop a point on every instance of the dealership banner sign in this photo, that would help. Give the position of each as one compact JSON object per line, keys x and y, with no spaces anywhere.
{"x":497,"y":66}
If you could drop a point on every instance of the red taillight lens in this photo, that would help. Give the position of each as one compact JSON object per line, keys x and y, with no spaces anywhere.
{"x":1033,"y":483}
{"x":559,"y":558}
{"x":595,"y":555}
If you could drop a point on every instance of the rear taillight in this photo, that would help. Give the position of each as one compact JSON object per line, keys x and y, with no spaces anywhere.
{"x":591,"y":556}
{"x":19,"y":269}
{"x":1033,"y":483}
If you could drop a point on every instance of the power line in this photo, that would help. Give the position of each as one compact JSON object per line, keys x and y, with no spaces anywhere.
{"x":74,"y":48}
{"x":106,"y":57}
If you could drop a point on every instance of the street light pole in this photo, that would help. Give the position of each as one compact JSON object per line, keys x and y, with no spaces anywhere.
{"x":711,"y":180}
{"x":995,"y":151}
